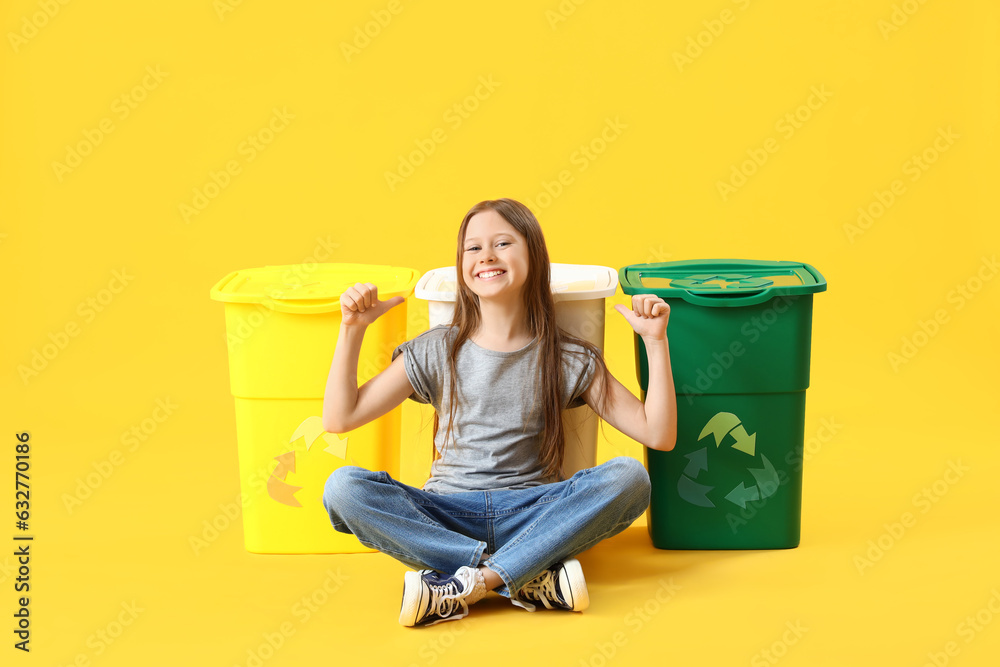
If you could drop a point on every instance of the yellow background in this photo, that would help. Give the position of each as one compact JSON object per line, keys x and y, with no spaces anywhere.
{"x":651,"y":195}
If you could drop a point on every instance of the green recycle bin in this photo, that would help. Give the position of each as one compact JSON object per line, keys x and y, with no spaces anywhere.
{"x":739,"y":335}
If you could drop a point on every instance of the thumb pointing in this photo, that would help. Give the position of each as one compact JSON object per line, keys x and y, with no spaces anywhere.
{"x":393,"y":302}
{"x":626,"y":312}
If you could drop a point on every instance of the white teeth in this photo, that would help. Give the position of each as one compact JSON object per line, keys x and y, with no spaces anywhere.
{"x":490,"y":274}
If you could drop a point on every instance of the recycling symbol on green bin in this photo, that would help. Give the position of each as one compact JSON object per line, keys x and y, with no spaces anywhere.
{"x":720,"y":426}
{"x":720,"y":281}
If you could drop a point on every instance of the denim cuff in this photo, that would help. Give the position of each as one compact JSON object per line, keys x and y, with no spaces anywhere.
{"x":507,"y":581}
{"x":477,"y":556}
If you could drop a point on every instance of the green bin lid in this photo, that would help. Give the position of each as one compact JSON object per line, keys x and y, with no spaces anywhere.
{"x":310,"y":288}
{"x":721,"y":282}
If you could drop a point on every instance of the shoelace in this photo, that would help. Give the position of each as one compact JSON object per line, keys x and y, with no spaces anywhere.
{"x":447,"y":598}
{"x":542,"y":588}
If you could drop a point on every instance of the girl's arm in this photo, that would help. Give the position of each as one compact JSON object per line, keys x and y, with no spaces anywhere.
{"x":345,"y":406}
{"x":653,"y":423}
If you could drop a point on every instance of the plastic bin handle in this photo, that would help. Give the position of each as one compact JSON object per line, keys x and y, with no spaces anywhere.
{"x":750,"y":299}
{"x":305,"y":307}
{"x":216,"y":290}
{"x":296,"y":306}
{"x":314,"y":306}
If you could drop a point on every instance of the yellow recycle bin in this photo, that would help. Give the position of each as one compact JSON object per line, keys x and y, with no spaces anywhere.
{"x":282,"y":324}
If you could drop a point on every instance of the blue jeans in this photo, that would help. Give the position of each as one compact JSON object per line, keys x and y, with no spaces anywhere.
{"x":525,"y":531}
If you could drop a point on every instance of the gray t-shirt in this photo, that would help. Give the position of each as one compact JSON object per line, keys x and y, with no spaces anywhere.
{"x":498,"y":421}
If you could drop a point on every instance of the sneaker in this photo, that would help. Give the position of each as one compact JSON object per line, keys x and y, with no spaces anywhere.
{"x":562,"y":586}
{"x":430,"y":597}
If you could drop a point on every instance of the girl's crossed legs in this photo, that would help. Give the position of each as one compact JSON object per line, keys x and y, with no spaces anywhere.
{"x":523,"y":531}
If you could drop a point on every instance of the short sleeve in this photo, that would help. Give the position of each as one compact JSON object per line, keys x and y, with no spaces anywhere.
{"x":579,"y":366}
{"x":422,"y":361}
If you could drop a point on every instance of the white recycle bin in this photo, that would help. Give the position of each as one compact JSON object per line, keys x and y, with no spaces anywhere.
{"x":579,"y":291}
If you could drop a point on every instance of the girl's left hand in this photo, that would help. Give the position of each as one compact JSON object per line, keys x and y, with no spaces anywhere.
{"x":648,"y":316}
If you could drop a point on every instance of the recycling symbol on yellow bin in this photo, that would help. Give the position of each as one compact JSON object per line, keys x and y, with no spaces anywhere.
{"x":720,"y":426}
{"x":311,"y":429}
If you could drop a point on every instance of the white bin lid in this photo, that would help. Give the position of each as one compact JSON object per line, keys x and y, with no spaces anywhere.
{"x":569,"y":282}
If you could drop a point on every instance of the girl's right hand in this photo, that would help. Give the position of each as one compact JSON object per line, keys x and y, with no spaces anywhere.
{"x":359,"y":305}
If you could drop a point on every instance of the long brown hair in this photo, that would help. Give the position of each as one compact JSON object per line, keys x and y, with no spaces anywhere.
{"x":541,"y":319}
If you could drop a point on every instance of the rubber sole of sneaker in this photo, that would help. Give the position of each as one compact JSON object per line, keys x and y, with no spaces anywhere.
{"x":573,"y":585}
{"x":414,"y":599}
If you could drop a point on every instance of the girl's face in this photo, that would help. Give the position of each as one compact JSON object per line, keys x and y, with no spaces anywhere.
{"x":494,"y":256}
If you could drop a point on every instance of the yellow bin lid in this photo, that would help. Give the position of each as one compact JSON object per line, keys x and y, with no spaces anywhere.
{"x":310,"y":288}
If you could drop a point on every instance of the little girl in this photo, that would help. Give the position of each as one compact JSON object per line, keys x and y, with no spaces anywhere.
{"x":495,"y":513}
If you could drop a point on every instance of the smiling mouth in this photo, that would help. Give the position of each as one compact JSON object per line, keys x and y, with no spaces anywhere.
{"x":493,"y":273}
